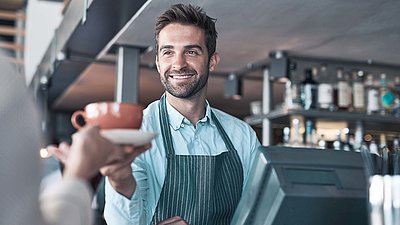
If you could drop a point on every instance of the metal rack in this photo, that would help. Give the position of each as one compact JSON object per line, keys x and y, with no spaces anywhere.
{"x":371,"y":123}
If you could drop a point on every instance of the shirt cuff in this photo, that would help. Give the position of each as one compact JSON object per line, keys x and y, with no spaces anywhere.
{"x":119,"y":208}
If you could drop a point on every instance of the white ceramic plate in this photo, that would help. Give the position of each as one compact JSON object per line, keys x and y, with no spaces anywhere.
{"x":128,"y":136}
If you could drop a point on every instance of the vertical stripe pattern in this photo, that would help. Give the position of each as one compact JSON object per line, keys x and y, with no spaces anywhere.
{"x":199,"y":188}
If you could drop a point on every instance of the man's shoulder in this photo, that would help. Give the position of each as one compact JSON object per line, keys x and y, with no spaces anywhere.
{"x":150,"y":114}
{"x":151,"y":108}
{"x":224,"y":118}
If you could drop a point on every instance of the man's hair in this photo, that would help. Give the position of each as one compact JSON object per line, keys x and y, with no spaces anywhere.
{"x":189,"y":15}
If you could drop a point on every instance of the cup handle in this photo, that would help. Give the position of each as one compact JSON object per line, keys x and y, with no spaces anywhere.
{"x":74,"y":119}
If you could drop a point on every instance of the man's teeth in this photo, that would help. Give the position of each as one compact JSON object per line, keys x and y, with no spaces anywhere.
{"x":181,"y":77}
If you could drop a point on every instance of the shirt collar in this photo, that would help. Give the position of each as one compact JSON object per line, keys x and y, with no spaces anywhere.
{"x":176,"y":119}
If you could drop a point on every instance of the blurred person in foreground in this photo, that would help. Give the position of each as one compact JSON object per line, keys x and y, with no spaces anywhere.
{"x":196,"y":169}
{"x":67,"y":202}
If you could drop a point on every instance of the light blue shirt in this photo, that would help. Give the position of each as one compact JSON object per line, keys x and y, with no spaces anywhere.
{"x":149,"y":169}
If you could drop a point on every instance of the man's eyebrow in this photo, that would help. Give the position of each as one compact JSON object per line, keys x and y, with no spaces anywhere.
{"x":193,"y":46}
{"x":186,"y":47}
{"x":166,"y":47}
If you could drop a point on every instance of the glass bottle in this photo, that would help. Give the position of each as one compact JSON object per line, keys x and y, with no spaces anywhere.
{"x":382,"y":141}
{"x":396,"y":103}
{"x":396,"y":145}
{"x":309,"y":90}
{"x":292,"y":95}
{"x":396,"y":107}
{"x":372,"y":95}
{"x":358,"y":91}
{"x":343,"y":90}
{"x":296,"y":138}
{"x":373,"y":147}
{"x":286,"y":136}
{"x":358,"y":136}
{"x":309,"y":134}
{"x":386,"y":96}
{"x":325,"y":91}
{"x":322,"y":142}
{"x":337,"y":144}
{"x":347,"y":146}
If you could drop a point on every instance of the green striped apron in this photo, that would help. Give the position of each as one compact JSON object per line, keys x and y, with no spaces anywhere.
{"x":200,"y":189}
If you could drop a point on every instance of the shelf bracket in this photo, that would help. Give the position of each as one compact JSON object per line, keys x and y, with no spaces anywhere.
{"x":127,"y":82}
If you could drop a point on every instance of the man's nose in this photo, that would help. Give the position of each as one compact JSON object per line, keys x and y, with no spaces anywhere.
{"x":179,"y":62}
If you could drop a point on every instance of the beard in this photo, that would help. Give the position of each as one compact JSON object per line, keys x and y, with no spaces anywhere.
{"x":184,"y":89}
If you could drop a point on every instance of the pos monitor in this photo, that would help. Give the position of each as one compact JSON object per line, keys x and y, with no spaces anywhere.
{"x":300,"y":186}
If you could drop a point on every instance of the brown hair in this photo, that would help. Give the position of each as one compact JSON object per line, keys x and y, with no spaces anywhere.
{"x":189,"y":15}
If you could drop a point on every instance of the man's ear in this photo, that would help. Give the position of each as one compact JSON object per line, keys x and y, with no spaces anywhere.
{"x":214,"y":60}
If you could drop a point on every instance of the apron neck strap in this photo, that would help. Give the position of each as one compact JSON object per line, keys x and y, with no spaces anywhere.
{"x":166,"y":132}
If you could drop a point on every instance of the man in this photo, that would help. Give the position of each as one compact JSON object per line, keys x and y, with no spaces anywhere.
{"x":196,"y":169}
{"x":67,"y":202}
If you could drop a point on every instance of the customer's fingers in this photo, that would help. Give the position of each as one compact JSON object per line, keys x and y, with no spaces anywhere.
{"x":61,"y":152}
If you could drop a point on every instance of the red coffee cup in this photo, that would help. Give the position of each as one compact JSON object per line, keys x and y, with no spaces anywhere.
{"x":110,"y":115}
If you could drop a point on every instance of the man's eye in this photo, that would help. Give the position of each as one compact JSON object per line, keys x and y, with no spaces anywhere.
{"x":166,"y":53}
{"x":192,"y":52}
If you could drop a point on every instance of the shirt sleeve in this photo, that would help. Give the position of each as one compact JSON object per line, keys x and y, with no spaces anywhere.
{"x":120,"y":210}
{"x":67,"y":203}
{"x":254,"y":144}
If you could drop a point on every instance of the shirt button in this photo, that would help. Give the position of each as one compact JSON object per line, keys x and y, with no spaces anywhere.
{"x":182,"y":125}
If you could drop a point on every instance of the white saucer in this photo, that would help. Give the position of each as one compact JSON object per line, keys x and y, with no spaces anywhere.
{"x":128,"y":136}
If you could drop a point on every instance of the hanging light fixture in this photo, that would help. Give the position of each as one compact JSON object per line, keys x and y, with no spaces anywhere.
{"x":233,"y":87}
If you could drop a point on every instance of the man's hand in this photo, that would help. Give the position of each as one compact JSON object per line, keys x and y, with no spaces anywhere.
{"x":119,"y":172}
{"x":176,"y":220}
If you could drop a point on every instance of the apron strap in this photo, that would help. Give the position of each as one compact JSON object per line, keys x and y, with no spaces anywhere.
{"x":222,"y":132}
{"x":165,"y":130}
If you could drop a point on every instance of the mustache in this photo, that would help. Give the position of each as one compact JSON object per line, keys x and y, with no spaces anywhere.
{"x":182,"y":71}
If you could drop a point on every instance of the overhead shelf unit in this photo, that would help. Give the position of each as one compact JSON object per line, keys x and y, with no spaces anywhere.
{"x":279,"y":116}
{"x":87,"y":27}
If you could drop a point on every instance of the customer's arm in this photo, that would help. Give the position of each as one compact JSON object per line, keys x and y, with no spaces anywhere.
{"x":69,"y":201}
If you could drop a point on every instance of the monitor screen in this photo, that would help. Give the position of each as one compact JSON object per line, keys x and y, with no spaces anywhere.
{"x":302,"y":186}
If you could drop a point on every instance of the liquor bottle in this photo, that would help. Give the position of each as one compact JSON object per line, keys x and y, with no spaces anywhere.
{"x":382,"y":141}
{"x":358,"y":91}
{"x":396,"y":144}
{"x":372,"y":95}
{"x":286,"y":136}
{"x":386,"y":96}
{"x":373,"y":148}
{"x":396,"y":107}
{"x":358,"y":136}
{"x":309,"y":90}
{"x":343,"y":90}
{"x":337,"y":144}
{"x":310,"y":132}
{"x":322,"y":142}
{"x":325,"y":91}
{"x":296,"y":138}
{"x":292,"y":95}
{"x":396,"y":103}
{"x":347,"y":146}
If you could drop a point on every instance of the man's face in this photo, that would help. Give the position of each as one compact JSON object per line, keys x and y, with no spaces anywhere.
{"x":182,"y":60}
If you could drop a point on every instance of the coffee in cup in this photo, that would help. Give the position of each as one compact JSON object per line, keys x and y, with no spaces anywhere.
{"x":110,"y":115}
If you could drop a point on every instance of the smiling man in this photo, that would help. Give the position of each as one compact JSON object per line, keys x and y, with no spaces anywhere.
{"x":196,"y":169}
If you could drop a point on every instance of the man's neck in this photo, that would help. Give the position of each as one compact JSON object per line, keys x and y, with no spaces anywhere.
{"x":191,"y":108}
